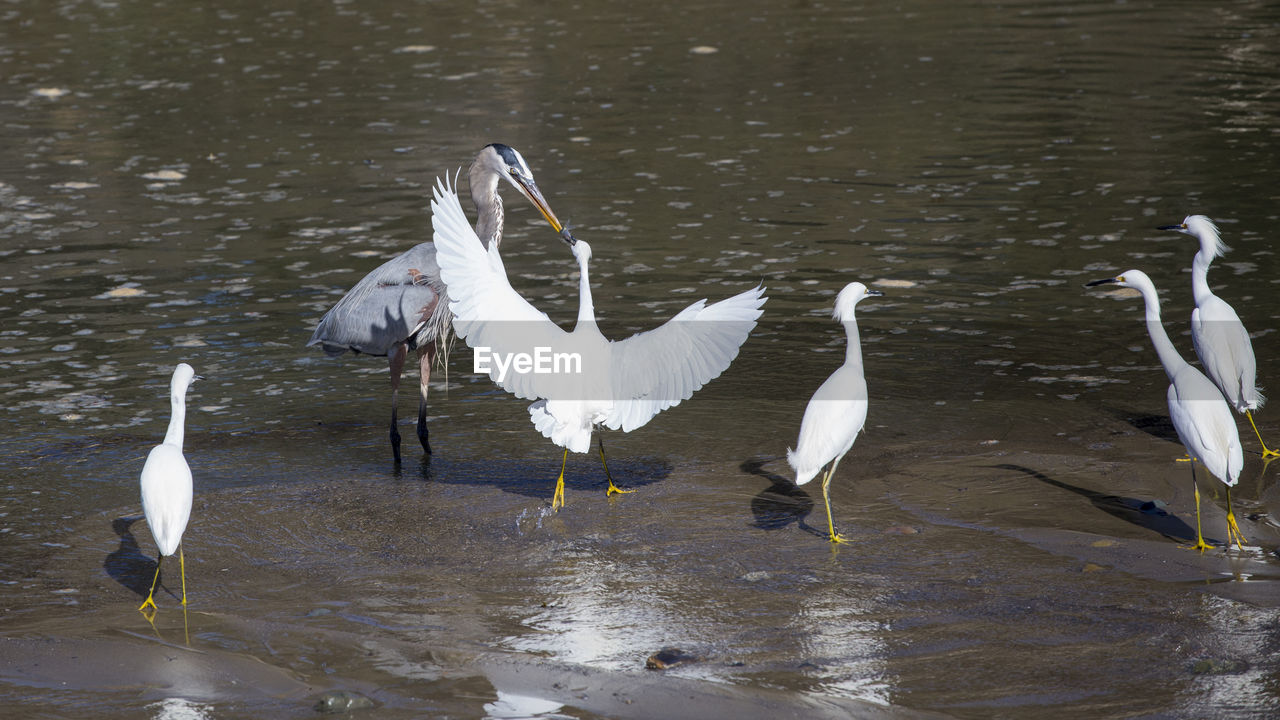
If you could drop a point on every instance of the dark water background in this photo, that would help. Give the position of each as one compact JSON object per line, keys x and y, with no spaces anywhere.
{"x":200,"y":183}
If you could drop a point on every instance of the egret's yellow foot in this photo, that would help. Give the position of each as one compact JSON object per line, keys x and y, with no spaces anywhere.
{"x":612,"y":488}
{"x":1233,"y":532}
{"x":1233,"y":528}
{"x":1265,"y":452}
{"x":826,"y":500}
{"x":557,"y":500}
{"x":1200,"y":545}
{"x":151,"y":602}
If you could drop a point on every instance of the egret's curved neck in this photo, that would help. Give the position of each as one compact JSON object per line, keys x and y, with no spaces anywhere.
{"x":1200,"y":275}
{"x":586,"y":308}
{"x":177,"y":419}
{"x":853,"y":351}
{"x":1169,"y":356}
{"x":488,"y":203}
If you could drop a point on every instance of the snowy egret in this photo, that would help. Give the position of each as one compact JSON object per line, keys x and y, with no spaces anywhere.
{"x":838,"y":409}
{"x":396,"y":308}
{"x":620,"y":385}
{"x":1219,"y":337}
{"x":1199,"y":413}
{"x":166,"y":484}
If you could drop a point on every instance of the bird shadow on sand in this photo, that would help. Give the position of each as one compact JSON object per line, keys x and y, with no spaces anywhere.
{"x":1158,"y":426}
{"x":536,"y":476}
{"x":780,"y":504}
{"x":1147,"y":514}
{"x":128,"y":565}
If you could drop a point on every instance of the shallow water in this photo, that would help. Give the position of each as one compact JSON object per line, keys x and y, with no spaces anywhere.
{"x":200,"y":185}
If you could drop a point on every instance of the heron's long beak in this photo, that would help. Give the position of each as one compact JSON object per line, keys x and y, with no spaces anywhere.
{"x":1178,"y":227}
{"x":530,"y":190}
{"x":1104,"y":281}
{"x":874,"y":293}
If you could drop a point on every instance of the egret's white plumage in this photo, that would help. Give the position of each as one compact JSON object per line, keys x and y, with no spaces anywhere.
{"x":838,"y":409}
{"x":1199,"y":413}
{"x":166,"y":483}
{"x":1220,"y":339}
{"x":621,"y":385}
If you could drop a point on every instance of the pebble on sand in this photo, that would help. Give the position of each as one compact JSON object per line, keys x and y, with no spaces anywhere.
{"x":669,"y":657}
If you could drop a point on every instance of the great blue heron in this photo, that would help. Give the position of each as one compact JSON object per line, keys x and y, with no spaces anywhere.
{"x":166,"y":485}
{"x":838,"y":409}
{"x":1200,"y":415}
{"x":1219,"y":337}
{"x":396,"y":308}
{"x":620,"y":385}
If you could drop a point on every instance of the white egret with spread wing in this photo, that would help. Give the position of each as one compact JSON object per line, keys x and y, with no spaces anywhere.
{"x":1220,"y":340}
{"x":620,"y":385}
{"x":1200,"y":415}
{"x":166,"y":484}
{"x":397,"y":307}
{"x":838,"y":409}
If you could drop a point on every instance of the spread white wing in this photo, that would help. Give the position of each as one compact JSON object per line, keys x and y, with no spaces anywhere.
{"x":488,"y":312}
{"x":660,"y":368}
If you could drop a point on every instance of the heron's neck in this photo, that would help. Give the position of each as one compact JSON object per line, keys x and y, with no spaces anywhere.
{"x":488,"y":203}
{"x":1200,"y":275}
{"x":1169,"y":356}
{"x":586,"y":308}
{"x":853,"y":350}
{"x":177,"y":419}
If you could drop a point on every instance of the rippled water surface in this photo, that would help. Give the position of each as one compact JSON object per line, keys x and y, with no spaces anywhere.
{"x":199,"y":184}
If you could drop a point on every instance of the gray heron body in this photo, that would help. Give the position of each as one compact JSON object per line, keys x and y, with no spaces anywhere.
{"x":402,"y":305}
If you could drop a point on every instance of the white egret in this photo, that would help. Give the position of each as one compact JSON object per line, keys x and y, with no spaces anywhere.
{"x":1219,"y":337}
{"x":838,"y":409}
{"x":396,"y":308}
{"x":1199,"y":413}
{"x":166,"y":484}
{"x":620,"y":385}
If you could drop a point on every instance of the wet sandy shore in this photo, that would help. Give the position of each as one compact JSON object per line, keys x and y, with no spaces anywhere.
{"x":988,"y":576}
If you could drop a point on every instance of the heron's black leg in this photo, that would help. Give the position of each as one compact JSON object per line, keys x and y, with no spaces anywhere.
{"x":397,"y":356}
{"x":426,"y":356}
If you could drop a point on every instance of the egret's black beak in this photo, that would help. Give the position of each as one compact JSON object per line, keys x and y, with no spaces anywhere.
{"x":1172,"y":227}
{"x":197,"y":377}
{"x":568,"y":237}
{"x":874,"y":293}
{"x":1104,"y":281}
